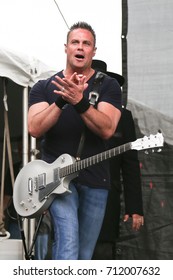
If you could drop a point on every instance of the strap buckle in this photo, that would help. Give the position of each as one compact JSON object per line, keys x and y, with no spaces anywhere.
{"x":93,"y":97}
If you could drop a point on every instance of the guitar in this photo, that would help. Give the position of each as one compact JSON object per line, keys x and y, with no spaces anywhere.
{"x":39,"y":182}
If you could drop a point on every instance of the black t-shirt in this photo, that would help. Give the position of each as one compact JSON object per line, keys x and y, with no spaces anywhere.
{"x":64,"y":136}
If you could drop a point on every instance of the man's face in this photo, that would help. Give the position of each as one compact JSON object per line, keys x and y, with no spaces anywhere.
{"x":80,"y":49}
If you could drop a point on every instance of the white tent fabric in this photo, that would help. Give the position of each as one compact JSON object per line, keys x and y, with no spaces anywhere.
{"x":21,"y":68}
{"x":24,"y":71}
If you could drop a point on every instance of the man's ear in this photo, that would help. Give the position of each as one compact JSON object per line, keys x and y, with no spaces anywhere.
{"x":65,"y":45}
{"x":94,"y":52}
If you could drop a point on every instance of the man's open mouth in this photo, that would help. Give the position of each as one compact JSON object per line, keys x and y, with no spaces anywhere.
{"x":79,"y":56}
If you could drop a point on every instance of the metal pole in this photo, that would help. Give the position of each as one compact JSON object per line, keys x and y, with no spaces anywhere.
{"x":32,"y":221}
{"x":25,"y":152}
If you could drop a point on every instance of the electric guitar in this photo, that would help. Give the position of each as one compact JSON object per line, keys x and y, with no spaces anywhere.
{"x":39,"y":182}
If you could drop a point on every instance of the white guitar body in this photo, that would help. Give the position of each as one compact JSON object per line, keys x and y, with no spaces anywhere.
{"x":39,"y":182}
{"x":36,"y":186}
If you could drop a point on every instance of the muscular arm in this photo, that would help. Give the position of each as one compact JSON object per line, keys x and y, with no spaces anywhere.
{"x":41,"y":117}
{"x":102,"y":121}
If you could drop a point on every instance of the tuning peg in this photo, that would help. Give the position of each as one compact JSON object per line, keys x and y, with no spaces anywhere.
{"x":146,"y":152}
{"x":153,"y":151}
{"x":159,"y":150}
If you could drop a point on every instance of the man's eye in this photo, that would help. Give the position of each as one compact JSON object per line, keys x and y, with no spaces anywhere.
{"x":87,"y":43}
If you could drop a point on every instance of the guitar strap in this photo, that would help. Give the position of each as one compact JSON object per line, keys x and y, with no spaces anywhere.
{"x":93,"y":98}
{"x":94,"y":94}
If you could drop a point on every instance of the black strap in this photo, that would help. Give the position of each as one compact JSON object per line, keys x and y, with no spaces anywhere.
{"x":81,"y":144}
{"x":94,"y":94}
{"x":93,"y":98}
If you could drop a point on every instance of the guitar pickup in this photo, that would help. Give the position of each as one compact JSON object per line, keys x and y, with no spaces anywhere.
{"x":41,"y":181}
{"x":30,"y":186}
{"x":56,"y":176}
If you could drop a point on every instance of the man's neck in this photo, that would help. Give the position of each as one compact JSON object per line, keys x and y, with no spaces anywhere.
{"x":88,"y":73}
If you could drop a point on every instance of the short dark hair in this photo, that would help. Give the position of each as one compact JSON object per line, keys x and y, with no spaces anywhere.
{"x":82,"y":25}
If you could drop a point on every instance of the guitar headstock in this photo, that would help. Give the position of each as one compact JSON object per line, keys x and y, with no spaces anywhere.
{"x":148,"y":142}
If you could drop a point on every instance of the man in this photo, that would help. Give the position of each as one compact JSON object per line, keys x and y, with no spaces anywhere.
{"x":125,"y":171}
{"x":60,"y":111}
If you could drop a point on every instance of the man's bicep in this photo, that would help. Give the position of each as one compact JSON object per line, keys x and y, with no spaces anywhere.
{"x":111,"y":111}
{"x":37,"y":108}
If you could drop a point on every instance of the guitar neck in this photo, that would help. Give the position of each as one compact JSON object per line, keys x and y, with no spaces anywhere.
{"x":84,"y":163}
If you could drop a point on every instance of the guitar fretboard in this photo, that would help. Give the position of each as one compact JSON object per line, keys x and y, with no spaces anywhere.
{"x":84,"y":163}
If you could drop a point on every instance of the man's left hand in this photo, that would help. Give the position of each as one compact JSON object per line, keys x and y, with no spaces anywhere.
{"x":137,"y":221}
